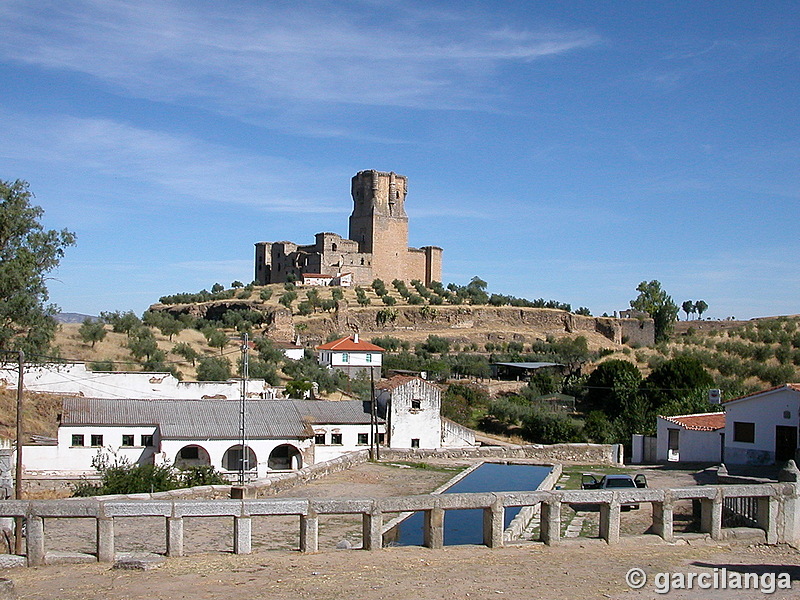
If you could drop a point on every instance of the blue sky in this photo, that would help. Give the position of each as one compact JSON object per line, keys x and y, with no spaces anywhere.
{"x":564,"y":150}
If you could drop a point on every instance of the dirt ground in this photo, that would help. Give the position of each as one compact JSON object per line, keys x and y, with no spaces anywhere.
{"x":579,"y":568}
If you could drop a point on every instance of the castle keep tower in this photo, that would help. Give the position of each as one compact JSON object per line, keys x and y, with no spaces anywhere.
{"x":377,"y":246}
{"x":379,"y":222}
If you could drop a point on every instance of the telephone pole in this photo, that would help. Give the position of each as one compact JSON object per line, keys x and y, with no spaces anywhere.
{"x":244,"y":463}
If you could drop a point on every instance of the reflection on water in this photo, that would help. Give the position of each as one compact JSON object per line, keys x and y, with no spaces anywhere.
{"x":466,"y":526}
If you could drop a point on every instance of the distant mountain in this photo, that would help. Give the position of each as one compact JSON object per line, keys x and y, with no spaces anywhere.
{"x":66,"y":317}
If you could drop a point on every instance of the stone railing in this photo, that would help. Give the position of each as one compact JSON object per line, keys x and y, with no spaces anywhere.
{"x":778,"y":515}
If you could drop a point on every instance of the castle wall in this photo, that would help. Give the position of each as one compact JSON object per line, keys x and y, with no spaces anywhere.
{"x":416,"y":265}
{"x":377,"y":246}
{"x":433,"y":264}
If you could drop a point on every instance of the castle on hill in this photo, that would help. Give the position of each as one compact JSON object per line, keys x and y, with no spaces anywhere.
{"x":377,"y":246}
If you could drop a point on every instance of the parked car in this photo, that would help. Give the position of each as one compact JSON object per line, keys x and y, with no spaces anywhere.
{"x":593,"y":481}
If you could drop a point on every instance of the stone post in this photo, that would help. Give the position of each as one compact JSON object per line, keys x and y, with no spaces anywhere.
{"x":34,"y":536}
{"x":768,"y":517}
{"x":663,"y":519}
{"x":371,"y":525}
{"x":105,"y":539}
{"x":174,"y":536}
{"x":550,"y":526}
{"x":433,"y":527}
{"x":242,"y":539}
{"x":609,"y":521}
{"x":493,"y":524}
{"x":309,"y":532}
{"x":711,"y":516}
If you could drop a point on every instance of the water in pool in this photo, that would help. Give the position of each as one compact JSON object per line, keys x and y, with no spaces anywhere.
{"x":465,"y":526}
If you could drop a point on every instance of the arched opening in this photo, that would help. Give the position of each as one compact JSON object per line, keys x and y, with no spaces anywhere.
{"x":192,"y":456}
{"x":232,"y":459}
{"x":285,"y":458}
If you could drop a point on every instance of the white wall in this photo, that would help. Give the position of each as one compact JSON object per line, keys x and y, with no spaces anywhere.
{"x":693,"y":445}
{"x":77,"y":380}
{"x":353,"y":359}
{"x":78,"y":459}
{"x":407,"y":423}
{"x":349,"y":440}
{"x":766,"y":410}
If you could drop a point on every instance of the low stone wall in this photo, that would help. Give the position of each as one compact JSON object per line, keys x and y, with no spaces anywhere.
{"x":601,"y":454}
{"x":778,"y":511}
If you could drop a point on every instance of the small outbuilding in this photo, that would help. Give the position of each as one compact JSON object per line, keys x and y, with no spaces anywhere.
{"x":691,"y":438}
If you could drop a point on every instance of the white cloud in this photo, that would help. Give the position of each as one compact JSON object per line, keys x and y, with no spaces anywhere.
{"x":246,"y":56}
{"x":181,"y":168}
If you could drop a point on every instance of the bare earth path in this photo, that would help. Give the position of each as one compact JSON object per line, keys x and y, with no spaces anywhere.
{"x":578,"y":569}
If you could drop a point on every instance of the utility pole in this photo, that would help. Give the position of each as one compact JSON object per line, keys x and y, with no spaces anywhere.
{"x":244,"y":463}
{"x":18,"y":548}
{"x":375,"y":447}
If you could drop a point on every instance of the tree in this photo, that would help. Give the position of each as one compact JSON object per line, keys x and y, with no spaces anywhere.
{"x":214,"y":368}
{"x":121,"y":322}
{"x":28,"y":253}
{"x":659,"y":305}
{"x":186,"y":351}
{"x":92,"y":331}
{"x":217,"y":287}
{"x":688,"y":308}
{"x":700,"y":307}
{"x":612,"y":386}
{"x":216,"y":338}
{"x":676,"y":380}
{"x":142,"y":343}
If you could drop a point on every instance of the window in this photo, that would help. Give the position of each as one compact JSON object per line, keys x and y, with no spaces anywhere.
{"x":363,"y":439}
{"x":190,"y":452}
{"x":97,"y":440}
{"x":345,"y":357}
{"x":369,"y":358}
{"x":77,"y":439}
{"x":336,"y":439}
{"x":415,"y":442}
{"x":146,"y":441}
{"x":127,"y":440}
{"x":416,"y":405}
{"x":319,"y":439}
{"x":744,"y":432}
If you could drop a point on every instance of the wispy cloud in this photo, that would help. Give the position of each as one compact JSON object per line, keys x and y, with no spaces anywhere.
{"x":182,"y":168}
{"x":245,"y":56}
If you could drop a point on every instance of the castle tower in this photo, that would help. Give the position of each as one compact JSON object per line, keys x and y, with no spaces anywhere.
{"x":379,"y":222}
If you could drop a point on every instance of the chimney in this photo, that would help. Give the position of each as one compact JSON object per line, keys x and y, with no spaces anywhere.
{"x":355,"y":337}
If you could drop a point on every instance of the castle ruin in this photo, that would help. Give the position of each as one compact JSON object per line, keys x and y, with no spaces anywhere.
{"x":377,"y":246}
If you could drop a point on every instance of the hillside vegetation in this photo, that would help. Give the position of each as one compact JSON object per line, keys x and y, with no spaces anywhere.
{"x":454,"y":339}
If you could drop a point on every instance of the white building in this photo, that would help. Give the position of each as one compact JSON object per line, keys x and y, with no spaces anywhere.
{"x":691,"y":438}
{"x":412,"y":409}
{"x":762,"y":428}
{"x":352,"y":356}
{"x":280,"y":434}
{"x":340,"y":279}
{"x":76,"y":379}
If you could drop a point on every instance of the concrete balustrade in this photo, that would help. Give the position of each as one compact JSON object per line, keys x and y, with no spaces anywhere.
{"x":778,"y":514}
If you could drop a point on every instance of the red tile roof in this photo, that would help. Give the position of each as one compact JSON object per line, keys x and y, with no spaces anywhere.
{"x":789,"y":386}
{"x":699,"y":422}
{"x":348,"y":344}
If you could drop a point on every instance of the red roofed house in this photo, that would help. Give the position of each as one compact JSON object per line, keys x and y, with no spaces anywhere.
{"x":691,"y":438}
{"x":352,"y":355}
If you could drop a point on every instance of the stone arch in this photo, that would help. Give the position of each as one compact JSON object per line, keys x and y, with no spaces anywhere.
{"x":232,"y":459}
{"x":192,"y":455}
{"x":285,"y":457}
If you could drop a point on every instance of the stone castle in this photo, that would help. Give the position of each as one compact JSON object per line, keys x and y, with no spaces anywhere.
{"x":377,"y":246}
